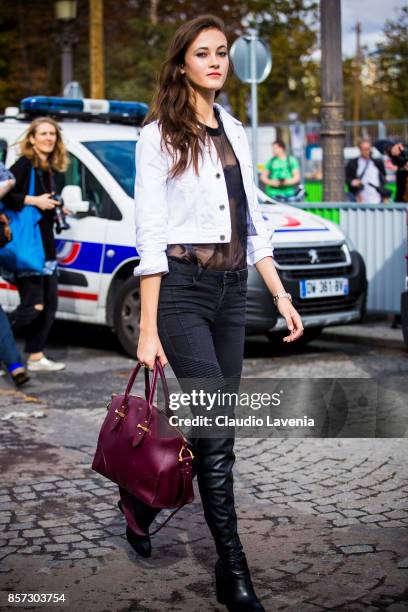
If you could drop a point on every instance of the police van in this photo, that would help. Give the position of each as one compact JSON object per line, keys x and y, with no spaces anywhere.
{"x":97,"y":254}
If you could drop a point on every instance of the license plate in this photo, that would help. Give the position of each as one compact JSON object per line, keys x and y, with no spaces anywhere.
{"x":322,"y":287}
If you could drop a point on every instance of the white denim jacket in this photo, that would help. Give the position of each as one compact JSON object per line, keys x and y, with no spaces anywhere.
{"x":190,"y":208}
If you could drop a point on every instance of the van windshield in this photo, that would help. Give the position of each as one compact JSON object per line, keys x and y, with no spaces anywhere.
{"x":118,"y":157}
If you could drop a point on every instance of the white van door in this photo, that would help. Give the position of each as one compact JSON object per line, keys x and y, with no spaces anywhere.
{"x":80,"y":249}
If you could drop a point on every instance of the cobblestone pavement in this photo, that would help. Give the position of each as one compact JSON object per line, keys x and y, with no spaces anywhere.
{"x":323,"y":521}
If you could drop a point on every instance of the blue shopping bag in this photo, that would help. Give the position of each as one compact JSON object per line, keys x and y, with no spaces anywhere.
{"x":25,"y":252}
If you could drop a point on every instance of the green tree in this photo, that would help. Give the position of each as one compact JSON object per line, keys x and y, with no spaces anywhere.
{"x":290,"y":31}
{"x":392,"y":62}
{"x":135,"y":47}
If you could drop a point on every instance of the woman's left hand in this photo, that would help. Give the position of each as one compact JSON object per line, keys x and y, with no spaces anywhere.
{"x":292,"y":318}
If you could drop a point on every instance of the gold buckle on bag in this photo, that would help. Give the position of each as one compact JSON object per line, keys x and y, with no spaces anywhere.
{"x":181,"y":453}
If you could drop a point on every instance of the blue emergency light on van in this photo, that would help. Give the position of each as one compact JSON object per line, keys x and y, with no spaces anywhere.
{"x":86,"y":109}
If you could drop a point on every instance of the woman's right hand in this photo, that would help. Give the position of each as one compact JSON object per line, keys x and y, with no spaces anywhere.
{"x":44,"y":201}
{"x":150,"y":347}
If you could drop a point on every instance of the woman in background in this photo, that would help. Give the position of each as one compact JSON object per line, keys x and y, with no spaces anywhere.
{"x":42,"y":148}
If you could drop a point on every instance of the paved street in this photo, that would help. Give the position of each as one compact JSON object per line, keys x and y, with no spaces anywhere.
{"x":324,"y":521}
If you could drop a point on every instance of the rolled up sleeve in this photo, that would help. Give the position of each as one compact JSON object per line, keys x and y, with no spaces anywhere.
{"x":260,"y":245}
{"x":258,"y":248}
{"x":151,"y":205}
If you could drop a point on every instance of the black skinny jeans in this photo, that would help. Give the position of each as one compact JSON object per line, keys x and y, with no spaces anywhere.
{"x":201,"y":320}
{"x":201,"y":325}
{"x":35,"y":324}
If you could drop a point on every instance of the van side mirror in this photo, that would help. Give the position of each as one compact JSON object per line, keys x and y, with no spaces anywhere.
{"x":72,"y":196}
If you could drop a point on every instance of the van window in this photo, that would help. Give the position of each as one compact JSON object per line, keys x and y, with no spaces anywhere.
{"x":100,"y":202}
{"x":118,"y":157}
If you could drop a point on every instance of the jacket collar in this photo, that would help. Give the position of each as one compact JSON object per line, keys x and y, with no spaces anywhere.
{"x":232,"y":130}
{"x":225,"y":116}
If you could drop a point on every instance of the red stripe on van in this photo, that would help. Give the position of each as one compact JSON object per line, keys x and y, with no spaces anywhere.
{"x":78,"y":295}
{"x":8,"y":286}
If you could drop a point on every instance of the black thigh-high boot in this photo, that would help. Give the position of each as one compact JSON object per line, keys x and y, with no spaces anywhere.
{"x":144,"y":517}
{"x":214,"y":462}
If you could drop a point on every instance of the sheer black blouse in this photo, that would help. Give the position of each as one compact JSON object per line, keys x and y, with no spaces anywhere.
{"x":231,"y":255}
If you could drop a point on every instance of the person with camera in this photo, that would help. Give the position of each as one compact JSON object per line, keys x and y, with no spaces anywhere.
{"x":398,"y":154}
{"x":42,"y":148}
{"x":281,"y":174}
{"x":365,"y":176}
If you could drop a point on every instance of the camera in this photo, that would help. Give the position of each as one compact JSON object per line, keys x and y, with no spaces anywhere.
{"x":60,"y":218}
{"x":402,"y":159}
{"x":385,"y":147}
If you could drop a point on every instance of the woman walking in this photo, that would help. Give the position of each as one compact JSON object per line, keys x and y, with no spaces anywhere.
{"x":42,"y":149}
{"x":198,"y":226}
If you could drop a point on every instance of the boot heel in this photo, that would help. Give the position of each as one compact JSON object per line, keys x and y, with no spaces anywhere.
{"x":219,"y":592}
{"x":234,"y":588}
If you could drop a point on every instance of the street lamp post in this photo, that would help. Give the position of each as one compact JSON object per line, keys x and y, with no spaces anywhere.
{"x":65,"y":13}
{"x":332,"y":106}
{"x":96,"y":49}
{"x":253,"y":37}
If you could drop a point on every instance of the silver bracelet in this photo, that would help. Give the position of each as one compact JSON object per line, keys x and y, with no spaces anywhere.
{"x":282,"y":294}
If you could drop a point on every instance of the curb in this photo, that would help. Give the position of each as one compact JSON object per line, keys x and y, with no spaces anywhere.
{"x":366,"y":340}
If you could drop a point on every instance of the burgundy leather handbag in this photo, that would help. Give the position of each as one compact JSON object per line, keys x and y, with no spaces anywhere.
{"x":140,"y":451}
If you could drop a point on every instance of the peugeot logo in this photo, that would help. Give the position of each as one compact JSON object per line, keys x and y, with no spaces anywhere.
{"x":314,"y":257}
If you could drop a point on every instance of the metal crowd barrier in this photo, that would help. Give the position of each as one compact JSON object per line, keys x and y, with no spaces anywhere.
{"x":379,"y":233}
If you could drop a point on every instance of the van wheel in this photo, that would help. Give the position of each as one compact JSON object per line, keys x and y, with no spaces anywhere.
{"x":126,"y":315}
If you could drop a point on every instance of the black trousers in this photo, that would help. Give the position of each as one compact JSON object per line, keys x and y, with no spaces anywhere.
{"x":201,"y":325}
{"x":35,"y":324}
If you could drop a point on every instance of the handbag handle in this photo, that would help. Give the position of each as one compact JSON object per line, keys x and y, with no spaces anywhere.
{"x":147,"y":383}
{"x":31,"y":187}
{"x":158,"y":369}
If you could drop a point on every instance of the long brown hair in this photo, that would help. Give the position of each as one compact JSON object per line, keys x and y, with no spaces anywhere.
{"x":57,"y":160}
{"x":173,"y":101}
